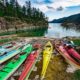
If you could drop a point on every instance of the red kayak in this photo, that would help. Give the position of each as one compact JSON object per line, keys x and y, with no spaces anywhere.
{"x":73,"y":52}
{"x":29,"y":64}
{"x":67,"y":55}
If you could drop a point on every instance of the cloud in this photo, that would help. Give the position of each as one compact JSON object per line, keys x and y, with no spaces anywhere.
{"x":21,"y":2}
{"x":64,"y":3}
{"x":50,"y":7}
{"x":42,"y":7}
{"x":59,"y":5}
{"x":46,"y":5}
{"x":60,"y":8}
{"x":54,"y":8}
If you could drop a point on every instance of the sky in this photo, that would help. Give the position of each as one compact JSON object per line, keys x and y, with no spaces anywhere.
{"x":55,"y":9}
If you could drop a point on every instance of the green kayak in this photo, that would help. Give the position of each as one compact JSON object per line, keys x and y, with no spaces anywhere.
{"x":14,"y":64}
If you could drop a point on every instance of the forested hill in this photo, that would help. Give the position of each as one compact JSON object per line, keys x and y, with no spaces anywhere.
{"x":11,"y":12}
{"x":71,"y":19}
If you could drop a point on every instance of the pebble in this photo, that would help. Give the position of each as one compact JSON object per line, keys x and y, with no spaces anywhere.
{"x":17,"y":74}
{"x":36,"y":77}
{"x":12,"y":78}
{"x":71,"y":69}
{"x":35,"y":68}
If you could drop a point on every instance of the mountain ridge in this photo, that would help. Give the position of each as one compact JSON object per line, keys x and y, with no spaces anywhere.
{"x":70,"y":19}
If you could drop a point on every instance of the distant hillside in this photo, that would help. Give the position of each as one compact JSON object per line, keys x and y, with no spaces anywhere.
{"x":58,"y":20}
{"x":71,"y":19}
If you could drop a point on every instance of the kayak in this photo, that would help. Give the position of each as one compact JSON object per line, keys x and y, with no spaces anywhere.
{"x":8,"y":47}
{"x":12,"y":53}
{"x":29,"y":64}
{"x":47,"y":52}
{"x":72,"y":52}
{"x":67,"y":55}
{"x":69,"y":46}
{"x":14,"y":64}
{"x":7,"y":44}
{"x":3,"y":48}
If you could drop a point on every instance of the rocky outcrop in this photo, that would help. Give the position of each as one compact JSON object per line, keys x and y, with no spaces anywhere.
{"x":12,"y":24}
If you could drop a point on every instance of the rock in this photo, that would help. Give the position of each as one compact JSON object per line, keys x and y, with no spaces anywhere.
{"x":12,"y":78}
{"x":39,"y":58}
{"x":1,"y":66}
{"x":71,"y":69}
{"x":35,"y":68}
{"x":17,"y":74}
{"x":36,"y":77}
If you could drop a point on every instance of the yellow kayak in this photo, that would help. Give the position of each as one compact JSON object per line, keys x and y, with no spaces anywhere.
{"x":48,"y":49}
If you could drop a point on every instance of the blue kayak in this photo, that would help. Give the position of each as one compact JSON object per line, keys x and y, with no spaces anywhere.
{"x":12,"y":53}
{"x":7,"y":48}
{"x":8,"y":55}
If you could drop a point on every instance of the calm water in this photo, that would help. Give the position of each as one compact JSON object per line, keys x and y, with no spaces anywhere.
{"x":55,"y":30}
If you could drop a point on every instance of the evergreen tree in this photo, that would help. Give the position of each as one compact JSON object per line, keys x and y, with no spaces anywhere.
{"x":11,"y":9}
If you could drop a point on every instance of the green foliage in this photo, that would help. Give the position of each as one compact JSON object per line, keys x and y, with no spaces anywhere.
{"x":77,"y":75}
{"x":11,"y":8}
{"x":77,"y":42}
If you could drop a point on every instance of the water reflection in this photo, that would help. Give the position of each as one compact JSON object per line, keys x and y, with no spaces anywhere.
{"x":54,"y":30}
{"x":58,"y":31}
{"x":77,"y":27}
{"x":34,"y":32}
{"x":30,"y":32}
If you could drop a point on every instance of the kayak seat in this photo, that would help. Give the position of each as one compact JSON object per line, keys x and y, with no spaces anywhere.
{"x":48,"y":46}
{"x":5,"y":53}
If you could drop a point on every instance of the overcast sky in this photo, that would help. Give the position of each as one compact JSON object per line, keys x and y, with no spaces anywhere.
{"x":55,"y":9}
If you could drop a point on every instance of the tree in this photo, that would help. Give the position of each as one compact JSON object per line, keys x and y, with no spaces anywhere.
{"x":12,"y":10}
{"x":24,"y":10}
{"x":28,"y":8}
